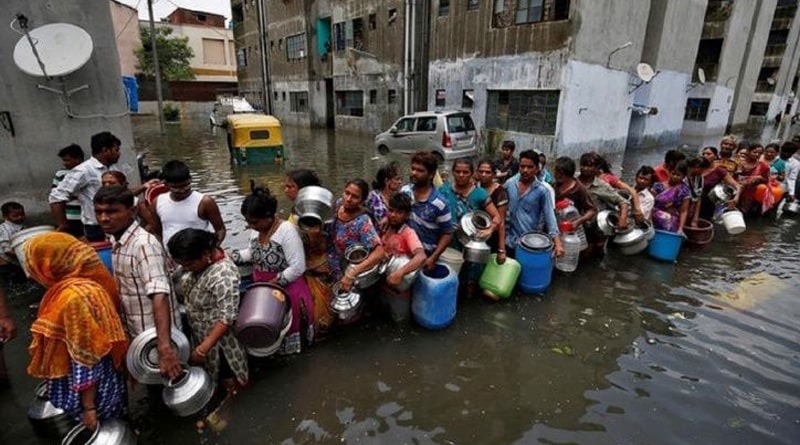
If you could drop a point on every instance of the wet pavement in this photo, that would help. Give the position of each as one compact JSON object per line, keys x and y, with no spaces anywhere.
{"x":624,"y":351}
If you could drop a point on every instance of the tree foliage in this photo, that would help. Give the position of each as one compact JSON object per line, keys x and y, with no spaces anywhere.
{"x":174,"y":55}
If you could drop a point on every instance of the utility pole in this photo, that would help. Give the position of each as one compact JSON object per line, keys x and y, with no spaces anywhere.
{"x":156,"y":67}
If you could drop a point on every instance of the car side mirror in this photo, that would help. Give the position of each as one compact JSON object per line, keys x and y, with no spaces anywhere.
{"x":393,"y":130}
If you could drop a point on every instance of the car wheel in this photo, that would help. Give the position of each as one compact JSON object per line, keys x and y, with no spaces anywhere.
{"x":383,"y":150}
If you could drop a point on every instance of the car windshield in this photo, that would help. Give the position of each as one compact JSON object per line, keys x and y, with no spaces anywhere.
{"x":459,"y":123}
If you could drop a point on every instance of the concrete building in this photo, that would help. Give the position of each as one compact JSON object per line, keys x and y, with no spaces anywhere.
{"x":214,"y":50}
{"x":246,"y":35}
{"x":125,"y":20}
{"x":35,"y":124}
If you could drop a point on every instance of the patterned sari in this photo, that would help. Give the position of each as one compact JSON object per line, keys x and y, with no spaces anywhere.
{"x":667,"y":205}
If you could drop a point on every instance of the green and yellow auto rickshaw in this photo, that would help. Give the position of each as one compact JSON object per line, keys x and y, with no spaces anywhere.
{"x":254,"y":138}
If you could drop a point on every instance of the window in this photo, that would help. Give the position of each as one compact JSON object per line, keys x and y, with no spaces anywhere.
{"x":349,"y":34}
{"x":426,"y":123}
{"x":280,"y":44}
{"x":298,"y":101}
{"x":444,"y":8}
{"x":759,"y":108}
{"x":272,"y":45}
{"x":392,"y":16}
{"x":296,"y":47}
{"x":259,"y":134}
{"x":200,"y":18}
{"x":237,"y":14}
{"x":373,"y":96}
{"x":391,"y":97}
{"x":708,"y":53}
{"x":441,"y":98}
{"x":405,"y":125}
{"x":524,"y":111}
{"x":350,"y":103}
{"x":467,"y":99}
{"x":373,"y":21}
{"x":696,"y":109}
{"x":283,"y":96}
{"x":473,"y":5}
{"x":529,"y":11}
{"x":459,"y":123}
{"x":214,"y":51}
{"x":275,"y":96}
{"x":241,"y":58}
{"x":766,"y":80}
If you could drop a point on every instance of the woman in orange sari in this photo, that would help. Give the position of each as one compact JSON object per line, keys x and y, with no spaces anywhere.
{"x":78,"y":343}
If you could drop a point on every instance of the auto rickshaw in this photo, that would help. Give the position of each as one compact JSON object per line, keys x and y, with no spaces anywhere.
{"x":254,"y":138}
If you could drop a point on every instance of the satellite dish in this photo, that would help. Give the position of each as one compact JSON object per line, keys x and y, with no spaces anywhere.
{"x":771,"y":81}
{"x":701,"y":76}
{"x":645,"y":72}
{"x":63,"y":48}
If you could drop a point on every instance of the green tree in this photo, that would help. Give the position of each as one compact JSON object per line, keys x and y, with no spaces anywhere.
{"x":174,"y":55}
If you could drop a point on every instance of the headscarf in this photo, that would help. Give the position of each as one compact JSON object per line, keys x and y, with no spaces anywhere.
{"x":77,"y":317}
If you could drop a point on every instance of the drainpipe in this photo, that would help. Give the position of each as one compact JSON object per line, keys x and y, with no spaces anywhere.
{"x":412,"y":67}
{"x":262,"y":44}
{"x":406,"y":56}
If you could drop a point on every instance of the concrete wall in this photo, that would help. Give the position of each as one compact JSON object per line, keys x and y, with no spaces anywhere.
{"x":282,"y":107}
{"x":787,"y":70}
{"x":761,"y":21}
{"x":224,"y":72}
{"x":719,"y":107}
{"x":41,"y":125}
{"x":599,"y":27}
{"x":246,"y":39}
{"x":126,"y":29}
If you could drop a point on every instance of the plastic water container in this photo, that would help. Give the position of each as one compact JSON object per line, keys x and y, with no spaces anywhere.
{"x":103,"y":249}
{"x":132,"y":91}
{"x":19,"y":239}
{"x":566,"y":211}
{"x":572,"y":248}
{"x":452,"y":258}
{"x":434,"y":297}
{"x":498,"y":280}
{"x":535,"y":255}
{"x":665,"y":245}
{"x":734,"y":221}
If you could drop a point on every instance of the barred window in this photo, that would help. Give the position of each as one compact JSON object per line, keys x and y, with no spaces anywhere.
{"x":525,"y":111}
{"x":696,"y":109}
{"x":296,"y":47}
{"x":298,"y":101}
{"x":350,"y":103}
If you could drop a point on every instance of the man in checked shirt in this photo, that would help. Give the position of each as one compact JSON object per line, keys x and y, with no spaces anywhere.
{"x":140,"y":268}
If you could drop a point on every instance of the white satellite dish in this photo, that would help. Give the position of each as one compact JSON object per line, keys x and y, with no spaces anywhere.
{"x":701,"y":76}
{"x":63,"y":48}
{"x":645,"y":72}
{"x":771,"y":81}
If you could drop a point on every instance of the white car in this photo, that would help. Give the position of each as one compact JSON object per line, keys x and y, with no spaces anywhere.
{"x":449,"y":134}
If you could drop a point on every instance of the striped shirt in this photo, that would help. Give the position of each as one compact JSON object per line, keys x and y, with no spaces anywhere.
{"x":430,"y":218}
{"x":140,"y":268}
{"x":73,"y":205}
{"x":82,"y":182}
{"x":7,"y":231}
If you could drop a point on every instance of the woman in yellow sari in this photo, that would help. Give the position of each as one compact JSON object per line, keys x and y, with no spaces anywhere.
{"x":78,"y":342}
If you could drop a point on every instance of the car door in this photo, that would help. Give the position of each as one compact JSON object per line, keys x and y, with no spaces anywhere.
{"x":424,"y":137}
{"x":402,"y":140}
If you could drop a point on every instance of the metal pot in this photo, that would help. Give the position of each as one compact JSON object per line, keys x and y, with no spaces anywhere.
{"x":649,"y":230}
{"x":189,"y":393}
{"x":396,"y":263}
{"x":345,"y":304}
{"x":313,"y":203}
{"x":631,"y":242}
{"x":721,"y":193}
{"x":369,"y":277}
{"x":607,"y":221}
{"x":470,"y":224}
{"x":46,"y":418}
{"x":261,"y":314}
{"x":477,"y":252}
{"x":356,"y":254}
{"x":792,"y":207}
{"x":273,"y":348}
{"x":108,"y":432}
{"x":142,"y":357}
{"x":20,"y":238}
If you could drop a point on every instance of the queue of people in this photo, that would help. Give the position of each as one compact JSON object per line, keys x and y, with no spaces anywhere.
{"x":166,"y":248}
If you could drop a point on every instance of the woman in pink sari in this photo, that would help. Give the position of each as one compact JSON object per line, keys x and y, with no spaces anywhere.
{"x":671,"y":206}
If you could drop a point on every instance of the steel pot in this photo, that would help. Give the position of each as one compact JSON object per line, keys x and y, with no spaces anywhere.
{"x":470,"y":224}
{"x":142,"y":357}
{"x":345,"y":304}
{"x":108,"y":432}
{"x":313,"y":204}
{"x":477,"y":252}
{"x":189,"y":393}
{"x":607,"y":221}
{"x":261,"y":314}
{"x":46,"y":418}
{"x":721,"y":193}
{"x":356,"y":254}
{"x":396,"y":263}
{"x":17,"y":242}
{"x":792,"y":207}
{"x":369,"y":277}
{"x":631,"y":242}
{"x":649,"y":230}
{"x":273,"y":348}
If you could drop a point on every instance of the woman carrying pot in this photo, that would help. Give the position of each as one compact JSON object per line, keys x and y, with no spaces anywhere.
{"x":352,"y":225}
{"x":295,"y":180}
{"x":672,"y":199}
{"x":208,"y":283}
{"x":499,"y":196}
{"x":78,"y":344}
{"x":703,"y":176}
{"x":751,"y":173}
{"x":276,"y":251}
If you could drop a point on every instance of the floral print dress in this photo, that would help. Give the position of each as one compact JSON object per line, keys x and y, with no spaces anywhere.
{"x":358,"y":230}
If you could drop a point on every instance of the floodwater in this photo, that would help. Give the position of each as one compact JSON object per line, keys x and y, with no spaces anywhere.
{"x":624,"y":351}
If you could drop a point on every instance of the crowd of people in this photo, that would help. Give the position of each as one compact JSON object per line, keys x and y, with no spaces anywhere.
{"x":167,"y":248}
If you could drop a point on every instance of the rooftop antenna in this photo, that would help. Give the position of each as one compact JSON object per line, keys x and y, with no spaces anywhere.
{"x":645,"y":73}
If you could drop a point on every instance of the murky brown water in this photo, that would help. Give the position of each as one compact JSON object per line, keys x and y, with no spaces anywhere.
{"x":625,"y":351}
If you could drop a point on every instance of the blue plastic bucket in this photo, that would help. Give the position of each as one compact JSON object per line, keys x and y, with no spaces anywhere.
{"x":103,"y":249}
{"x":535,"y":255}
{"x":435,"y":294}
{"x":665,"y":246}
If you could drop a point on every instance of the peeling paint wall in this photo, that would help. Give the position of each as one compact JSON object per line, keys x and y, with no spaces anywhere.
{"x":667,"y":93}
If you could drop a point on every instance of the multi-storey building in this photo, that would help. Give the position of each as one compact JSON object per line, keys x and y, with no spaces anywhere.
{"x":250,"y":63}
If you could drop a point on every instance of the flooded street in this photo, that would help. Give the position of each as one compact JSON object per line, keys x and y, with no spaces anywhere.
{"x":624,"y":351}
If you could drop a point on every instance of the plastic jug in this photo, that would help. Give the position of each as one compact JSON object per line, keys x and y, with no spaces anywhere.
{"x":566,"y":211}
{"x":498,"y":280}
{"x":572,"y":248}
{"x":435,"y":294}
{"x":535,"y":255}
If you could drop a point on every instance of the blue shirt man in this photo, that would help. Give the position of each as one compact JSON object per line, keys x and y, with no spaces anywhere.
{"x":530,"y":205}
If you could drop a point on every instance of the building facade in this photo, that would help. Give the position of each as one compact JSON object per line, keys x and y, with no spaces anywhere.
{"x":249,"y":58}
{"x":125,"y":20}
